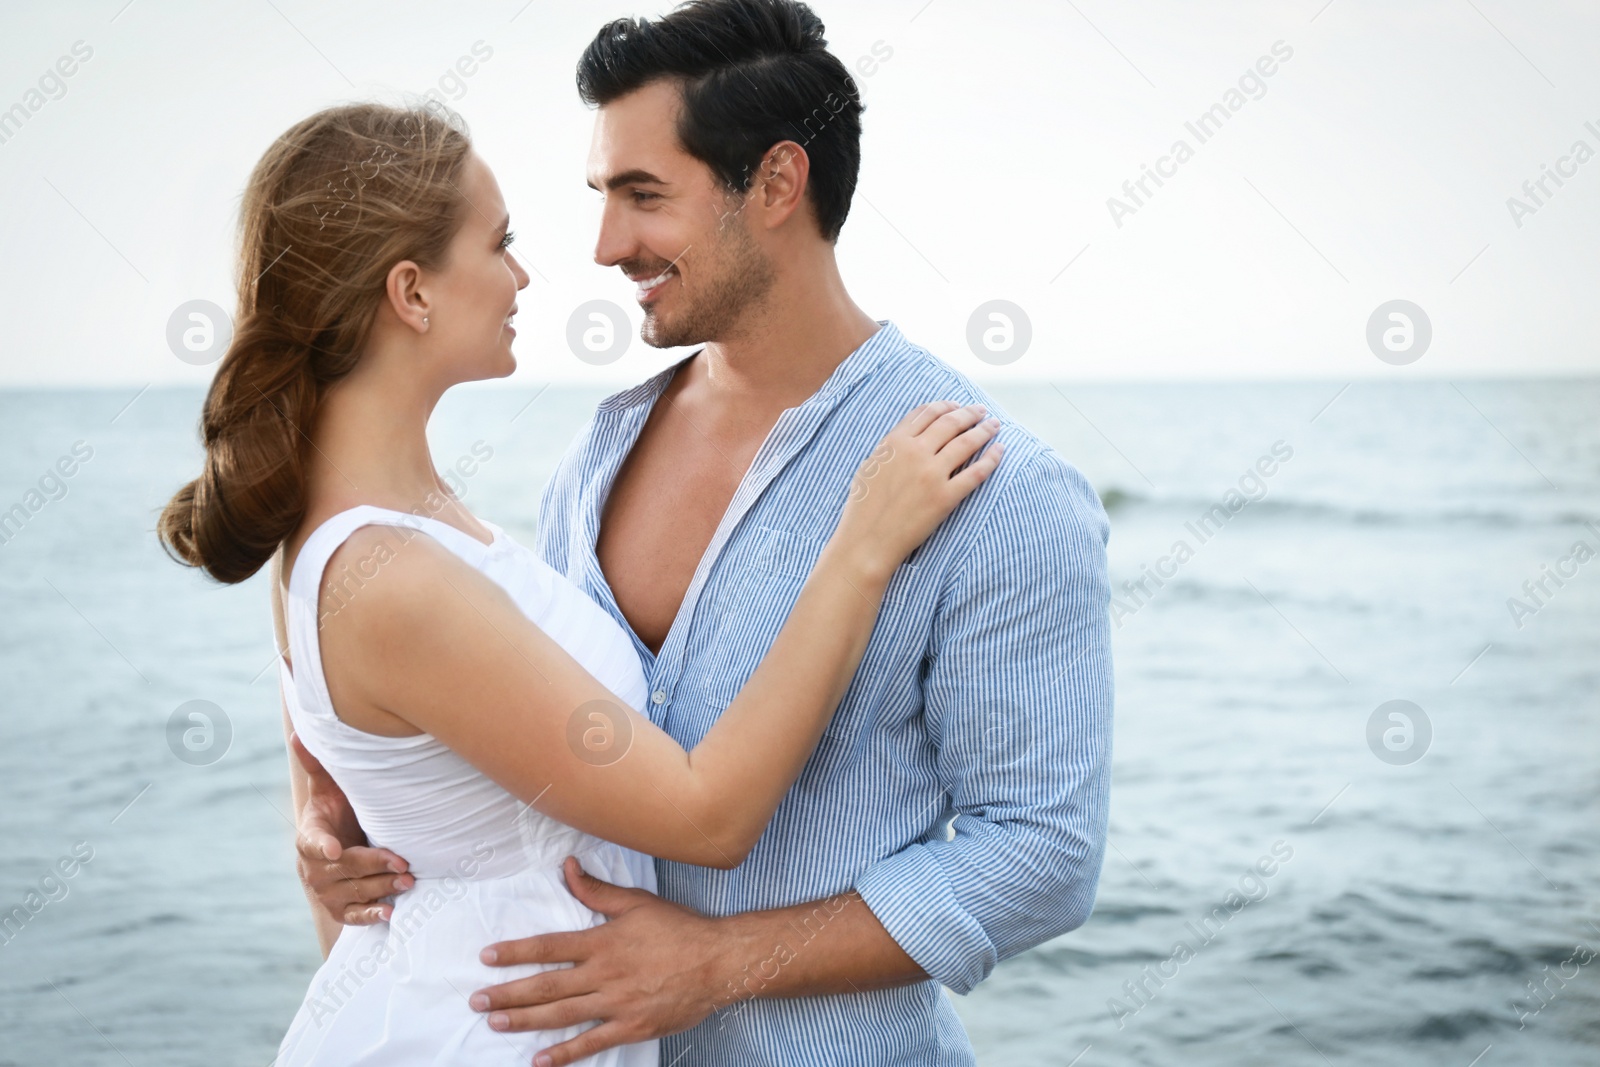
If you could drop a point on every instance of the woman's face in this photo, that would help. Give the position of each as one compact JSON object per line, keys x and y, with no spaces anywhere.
{"x":475,"y":295}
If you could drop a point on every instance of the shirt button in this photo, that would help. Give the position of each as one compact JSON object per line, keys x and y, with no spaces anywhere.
{"x":658,"y":697}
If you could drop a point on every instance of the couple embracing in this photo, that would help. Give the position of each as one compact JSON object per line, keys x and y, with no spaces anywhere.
{"x":798,"y":705}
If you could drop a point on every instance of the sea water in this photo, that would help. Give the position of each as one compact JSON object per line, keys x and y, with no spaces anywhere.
{"x":1293,"y":875}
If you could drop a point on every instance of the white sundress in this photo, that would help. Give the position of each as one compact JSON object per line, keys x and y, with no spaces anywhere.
{"x":488,"y":867}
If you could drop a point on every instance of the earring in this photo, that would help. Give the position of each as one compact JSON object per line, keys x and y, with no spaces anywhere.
{"x":424,"y":320}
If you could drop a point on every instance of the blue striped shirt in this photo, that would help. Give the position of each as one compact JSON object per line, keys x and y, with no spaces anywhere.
{"x":962,"y":785}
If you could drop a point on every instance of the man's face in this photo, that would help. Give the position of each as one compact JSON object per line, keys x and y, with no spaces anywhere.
{"x":670,"y":224}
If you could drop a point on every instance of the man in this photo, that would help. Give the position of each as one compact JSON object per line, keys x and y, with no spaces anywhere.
{"x":955,"y":812}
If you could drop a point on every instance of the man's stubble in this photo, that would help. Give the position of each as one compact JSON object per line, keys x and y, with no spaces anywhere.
{"x":736,"y":279}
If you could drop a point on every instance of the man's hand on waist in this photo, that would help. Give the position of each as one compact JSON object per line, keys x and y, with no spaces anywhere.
{"x":348,"y":879}
{"x":656,"y":968}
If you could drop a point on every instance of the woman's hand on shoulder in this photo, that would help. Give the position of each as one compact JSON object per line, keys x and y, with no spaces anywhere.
{"x":914,"y":479}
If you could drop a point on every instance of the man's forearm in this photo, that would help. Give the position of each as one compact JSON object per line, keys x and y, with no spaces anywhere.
{"x":299,"y":781}
{"x":299,"y":789}
{"x":828,"y":946}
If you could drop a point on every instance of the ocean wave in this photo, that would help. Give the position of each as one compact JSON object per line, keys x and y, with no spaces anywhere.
{"x":1452,"y":1026}
{"x":1117,"y":500}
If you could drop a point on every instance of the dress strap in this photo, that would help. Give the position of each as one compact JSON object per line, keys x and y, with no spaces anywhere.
{"x":303,"y":609}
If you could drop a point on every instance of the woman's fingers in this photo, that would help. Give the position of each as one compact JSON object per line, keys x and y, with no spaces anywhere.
{"x":965,"y":445}
{"x":919,"y":418}
{"x":899,"y":495}
{"x":965,"y":481}
{"x":942,"y":430}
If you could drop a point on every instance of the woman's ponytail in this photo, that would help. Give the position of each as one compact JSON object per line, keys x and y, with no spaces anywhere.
{"x":251,"y":494}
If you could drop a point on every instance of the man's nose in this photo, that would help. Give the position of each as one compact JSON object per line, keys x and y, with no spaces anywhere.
{"x":615,"y":242}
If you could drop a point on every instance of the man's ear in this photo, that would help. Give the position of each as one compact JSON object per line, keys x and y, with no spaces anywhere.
{"x":781,"y":181}
{"x":404,"y":289}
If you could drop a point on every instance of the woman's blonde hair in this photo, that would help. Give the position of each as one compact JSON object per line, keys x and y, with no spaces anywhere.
{"x":330,"y":208}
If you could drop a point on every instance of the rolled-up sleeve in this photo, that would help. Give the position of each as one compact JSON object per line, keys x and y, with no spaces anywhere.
{"x":1018,"y":702}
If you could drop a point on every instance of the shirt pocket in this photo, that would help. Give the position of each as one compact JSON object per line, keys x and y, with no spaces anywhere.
{"x":759,"y":602}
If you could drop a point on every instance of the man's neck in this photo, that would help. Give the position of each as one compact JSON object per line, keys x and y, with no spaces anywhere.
{"x":785,"y":349}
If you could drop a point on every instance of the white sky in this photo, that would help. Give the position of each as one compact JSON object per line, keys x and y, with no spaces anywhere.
{"x":1376,"y":166}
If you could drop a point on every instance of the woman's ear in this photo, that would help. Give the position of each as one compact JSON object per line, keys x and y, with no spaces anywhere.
{"x":406,"y":296}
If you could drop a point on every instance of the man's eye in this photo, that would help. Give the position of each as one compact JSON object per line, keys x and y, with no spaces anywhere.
{"x":639,"y":196}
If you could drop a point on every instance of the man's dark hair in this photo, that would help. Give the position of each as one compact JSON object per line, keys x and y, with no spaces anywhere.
{"x":753,"y":73}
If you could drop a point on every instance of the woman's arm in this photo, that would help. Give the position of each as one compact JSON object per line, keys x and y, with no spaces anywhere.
{"x":442,"y":647}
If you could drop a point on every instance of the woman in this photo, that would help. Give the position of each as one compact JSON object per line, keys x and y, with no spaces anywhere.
{"x":478,"y":710}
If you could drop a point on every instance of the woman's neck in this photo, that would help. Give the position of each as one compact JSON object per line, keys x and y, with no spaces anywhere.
{"x":370,"y":444}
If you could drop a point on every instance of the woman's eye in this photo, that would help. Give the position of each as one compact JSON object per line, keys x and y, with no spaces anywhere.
{"x":505,"y":242}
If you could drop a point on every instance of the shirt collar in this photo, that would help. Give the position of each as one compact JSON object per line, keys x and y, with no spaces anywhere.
{"x":855,"y":366}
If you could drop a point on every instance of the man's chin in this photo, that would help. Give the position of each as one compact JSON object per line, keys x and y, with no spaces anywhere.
{"x":658,"y":334}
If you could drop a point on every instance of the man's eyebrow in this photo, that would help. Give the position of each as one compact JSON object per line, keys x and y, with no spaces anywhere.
{"x":629,"y":177}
